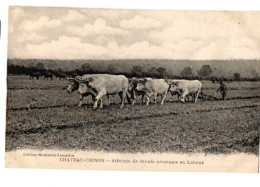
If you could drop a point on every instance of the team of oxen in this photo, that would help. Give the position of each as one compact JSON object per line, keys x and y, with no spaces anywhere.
{"x":99,"y":86}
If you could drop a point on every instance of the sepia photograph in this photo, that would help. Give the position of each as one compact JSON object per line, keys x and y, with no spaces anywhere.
{"x":122,"y":89}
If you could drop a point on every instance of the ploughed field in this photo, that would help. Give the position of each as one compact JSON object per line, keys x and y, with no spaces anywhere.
{"x":42,"y":115}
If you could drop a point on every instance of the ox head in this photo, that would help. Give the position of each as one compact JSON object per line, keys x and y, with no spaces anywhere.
{"x":140,"y":85}
{"x":132,"y":84}
{"x":84,"y":85}
{"x":74,"y":85}
{"x":173,"y":86}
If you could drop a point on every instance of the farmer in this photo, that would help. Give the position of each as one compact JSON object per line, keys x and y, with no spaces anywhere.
{"x":223,"y":90}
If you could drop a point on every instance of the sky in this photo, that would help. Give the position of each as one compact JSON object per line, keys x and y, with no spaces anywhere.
{"x":75,"y":33}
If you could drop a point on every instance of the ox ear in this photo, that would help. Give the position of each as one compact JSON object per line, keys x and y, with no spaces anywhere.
{"x":86,"y":81}
{"x":175,"y":83}
{"x":90,"y":79}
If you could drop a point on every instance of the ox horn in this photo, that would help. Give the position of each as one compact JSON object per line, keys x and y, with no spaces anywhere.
{"x":175,"y":83}
{"x":168,"y":81}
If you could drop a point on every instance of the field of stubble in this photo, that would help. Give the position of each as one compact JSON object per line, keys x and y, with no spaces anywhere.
{"x":54,"y":121}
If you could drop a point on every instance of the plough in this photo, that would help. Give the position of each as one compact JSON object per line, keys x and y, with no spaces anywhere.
{"x":205,"y":97}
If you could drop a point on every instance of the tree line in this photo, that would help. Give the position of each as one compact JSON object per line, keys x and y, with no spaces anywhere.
{"x":204,"y":73}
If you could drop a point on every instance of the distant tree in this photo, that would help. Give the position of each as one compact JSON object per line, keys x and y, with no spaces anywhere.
{"x":40,"y":66}
{"x":11,"y":69}
{"x":161,"y":72}
{"x":16,"y":69}
{"x":111,"y":68}
{"x":236,"y":76}
{"x":98,"y":67}
{"x":151,"y":72}
{"x":52,"y":64}
{"x":137,"y":71}
{"x":79,"y":72}
{"x":205,"y":71}
{"x":86,"y":68}
{"x":254,"y":74}
{"x":187,"y":72}
{"x":31,"y":64}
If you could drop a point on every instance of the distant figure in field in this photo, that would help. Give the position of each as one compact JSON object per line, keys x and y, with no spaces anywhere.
{"x":223,"y":90}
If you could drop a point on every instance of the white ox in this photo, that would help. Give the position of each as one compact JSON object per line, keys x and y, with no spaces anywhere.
{"x":153,"y":87}
{"x":104,"y":84}
{"x":75,"y":86}
{"x":186,"y":87}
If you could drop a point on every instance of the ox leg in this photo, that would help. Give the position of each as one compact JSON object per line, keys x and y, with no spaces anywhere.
{"x":171,"y":99}
{"x":187,"y":98}
{"x":128,"y":96}
{"x":143,"y":97}
{"x":147,"y":100}
{"x":93,"y":98}
{"x":163,"y":98}
{"x":191,"y":98}
{"x":134,"y":98}
{"x":81,"y":100}
{"x":185,"y":93}
{"x":148,"y":96}
{"x":197,"y":96}
{"x":108,"y":99}
{"x":98,"y":97}
{"x":100,"y":103}
{"x":155,"y":98}
{"x":123,"y":95}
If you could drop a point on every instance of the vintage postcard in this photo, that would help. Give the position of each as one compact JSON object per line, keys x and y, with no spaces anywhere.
{"x":150,"y":90}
